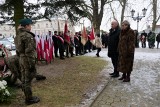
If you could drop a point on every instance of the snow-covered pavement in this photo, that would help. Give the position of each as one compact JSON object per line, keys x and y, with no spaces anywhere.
{"x":144,"y":88}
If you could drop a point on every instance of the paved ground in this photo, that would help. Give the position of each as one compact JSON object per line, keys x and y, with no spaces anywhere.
{"x":144,"y":88}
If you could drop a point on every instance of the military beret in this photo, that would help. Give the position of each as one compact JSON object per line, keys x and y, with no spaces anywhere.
{"x":24,"y":22}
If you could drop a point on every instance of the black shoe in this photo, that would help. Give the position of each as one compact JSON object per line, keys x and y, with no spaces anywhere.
{"x":33,"y":100}
{"x":62,"y":58}
{"x":115,"y":75}
{"x":40,"y":77}
{"x":111,"y":73}
{"x":56,"y":56}
{"x":97,"y":55}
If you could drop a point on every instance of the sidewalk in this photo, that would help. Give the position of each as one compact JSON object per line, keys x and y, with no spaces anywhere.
{"x":144,"y":88}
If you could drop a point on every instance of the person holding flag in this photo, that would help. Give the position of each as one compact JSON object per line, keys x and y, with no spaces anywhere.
{"x":66,"y":39}
{"x":77,"y":44}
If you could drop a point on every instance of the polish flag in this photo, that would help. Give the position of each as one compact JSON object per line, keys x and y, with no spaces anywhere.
{"x":66,"y":35}
{"x":92,"y":36}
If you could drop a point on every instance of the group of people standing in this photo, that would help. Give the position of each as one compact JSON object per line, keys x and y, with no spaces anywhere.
{"x":71,"y":47}
{"x":121,"y":47}
{"x":23,"y":64}
{"x":151,"y":38}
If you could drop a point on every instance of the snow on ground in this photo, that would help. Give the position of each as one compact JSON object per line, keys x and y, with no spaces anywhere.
{"x":144,"y":88}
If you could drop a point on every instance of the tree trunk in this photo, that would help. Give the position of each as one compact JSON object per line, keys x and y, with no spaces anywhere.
{"x":97,"y":15}
{"x":123,"y":4}
{"x":154,"y":15}
{"x":18,"y":12}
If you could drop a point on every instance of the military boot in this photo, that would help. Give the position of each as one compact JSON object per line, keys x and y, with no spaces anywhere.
{"x":33,"y":100}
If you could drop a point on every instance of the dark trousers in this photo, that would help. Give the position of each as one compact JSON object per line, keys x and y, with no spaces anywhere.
{"x":77,"y":51}
{"x":71,"y":50}
{"x":114,"y":59}
{"x":67,"y":50}
{"x":56,"y":51}
{"x":143,"y":44}
{"x":98,"y":50}
{"x":157,"y":45}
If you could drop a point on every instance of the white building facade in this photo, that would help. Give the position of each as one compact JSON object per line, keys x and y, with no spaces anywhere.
{"x":39,"y":28}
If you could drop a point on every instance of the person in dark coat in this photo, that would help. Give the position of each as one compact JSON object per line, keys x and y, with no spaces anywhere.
{"x":113,"y":40}
{"x":77,"y":44}
{"x":81,"y":47}
{"x":143,"y":39}
{"x":61,"y":45}
{"x":137,"y":39}
{"x":104,"y":37}
{"x":149,"y":42}
{"x":152,"y":39}
{"x":126,"y":48}
{"x":158,"y":40}
{"x":55,"y":41}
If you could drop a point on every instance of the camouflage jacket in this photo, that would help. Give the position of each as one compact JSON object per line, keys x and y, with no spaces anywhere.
{"x":25,"y":43}
{"x":12,"y":62}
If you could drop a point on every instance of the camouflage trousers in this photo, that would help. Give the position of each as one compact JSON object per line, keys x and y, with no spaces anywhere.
{"x":28,"y":72}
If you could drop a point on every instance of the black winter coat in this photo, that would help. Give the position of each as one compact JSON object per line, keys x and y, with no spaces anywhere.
{"x":113,"y":40}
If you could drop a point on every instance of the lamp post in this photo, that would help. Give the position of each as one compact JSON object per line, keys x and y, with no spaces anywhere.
{"x":138,"y":17}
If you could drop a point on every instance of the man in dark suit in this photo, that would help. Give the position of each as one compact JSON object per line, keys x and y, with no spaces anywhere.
{"x":113,"y":40}
{"x":55,"y":40}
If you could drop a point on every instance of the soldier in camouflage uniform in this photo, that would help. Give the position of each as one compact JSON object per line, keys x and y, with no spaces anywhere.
{"x":26,"y":50}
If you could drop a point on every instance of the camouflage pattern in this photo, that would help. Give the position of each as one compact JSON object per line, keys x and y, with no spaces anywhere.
{"x":12,"y":63}
{"x":26,"y":49}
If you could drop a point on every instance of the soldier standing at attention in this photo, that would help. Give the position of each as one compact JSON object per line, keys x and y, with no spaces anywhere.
{"x":26,"y":50}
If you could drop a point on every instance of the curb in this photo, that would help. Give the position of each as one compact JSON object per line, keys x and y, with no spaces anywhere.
{"x":99,"y":93}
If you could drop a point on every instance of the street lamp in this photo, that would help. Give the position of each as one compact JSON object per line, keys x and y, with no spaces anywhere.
{"x":138,"y":17}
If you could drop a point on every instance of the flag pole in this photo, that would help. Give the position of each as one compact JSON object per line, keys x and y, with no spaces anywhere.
{"x":81,"y":35}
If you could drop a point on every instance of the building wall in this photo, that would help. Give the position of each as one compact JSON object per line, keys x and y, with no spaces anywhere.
{"x":40,"y":27}
{"x":7,"y":30}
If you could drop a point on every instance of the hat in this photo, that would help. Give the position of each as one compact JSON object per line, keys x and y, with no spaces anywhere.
{"x":24,"y":22}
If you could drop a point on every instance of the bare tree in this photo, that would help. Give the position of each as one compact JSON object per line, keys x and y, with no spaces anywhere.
{"x":95,"y":12}
{"x":123,"y":4}
{"x":155,"y":15}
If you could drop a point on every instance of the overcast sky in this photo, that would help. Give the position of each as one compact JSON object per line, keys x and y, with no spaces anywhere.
{"x":137,"y":5}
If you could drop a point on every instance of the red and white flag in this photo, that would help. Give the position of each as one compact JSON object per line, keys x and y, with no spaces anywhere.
{"x":92,"y":36}
{"x":66,"y":35}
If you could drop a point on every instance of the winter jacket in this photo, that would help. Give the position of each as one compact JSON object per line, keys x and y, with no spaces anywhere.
{"x":126,"y":48}
{"x":113,"y":40}
{"x":98,"y":42}
{"x":158,"y":38}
